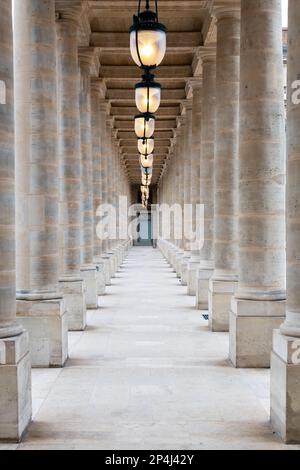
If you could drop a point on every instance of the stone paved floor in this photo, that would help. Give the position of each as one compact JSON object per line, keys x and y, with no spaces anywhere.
{"x":148,"y":374}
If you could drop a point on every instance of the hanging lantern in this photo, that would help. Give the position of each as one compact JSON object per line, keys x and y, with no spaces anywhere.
{"x":147,"y":38}
{"x":146,"y":180}
{"x":147,"y":94}
{"x":145,"y":146}
{"x":144,"y":125}
{"x":146,"y":161}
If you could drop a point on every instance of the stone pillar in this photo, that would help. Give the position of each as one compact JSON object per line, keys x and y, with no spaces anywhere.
{"x":285,"y":363}
{"x":259,"y":306}
{"x":40,"y":306}
{"x":196,"y":88}
{"x":88,"y":67}
{"x":69,"y":151}
{"x":15,"y":373}
{"x":105,"y":146}
{"x":207,"y":153}
{"x":223,"y":283}
{"x":97,"y":94}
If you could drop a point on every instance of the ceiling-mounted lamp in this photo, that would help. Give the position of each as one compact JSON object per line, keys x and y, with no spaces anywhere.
{"x":145,"y":146}
{"x":146,"y":161}
{"x":148,"y":38}
{"x":147,"y":94}
{"x":144,"y":125}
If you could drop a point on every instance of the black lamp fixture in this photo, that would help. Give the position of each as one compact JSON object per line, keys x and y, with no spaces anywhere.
{"x":147,"y":94}
{"x":148,"y":39}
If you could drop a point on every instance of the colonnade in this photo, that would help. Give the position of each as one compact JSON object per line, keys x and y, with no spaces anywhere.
{"x":247,"y":222}
{"x":56,"y":127}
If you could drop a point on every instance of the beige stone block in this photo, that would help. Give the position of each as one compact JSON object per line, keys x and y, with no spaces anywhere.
{"x":285,"y":387}
{"x":219,"y":301}
{"x":251,"y":325}
{"x":15,"y":386}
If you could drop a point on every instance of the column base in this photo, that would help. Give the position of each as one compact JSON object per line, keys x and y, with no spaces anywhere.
{"x":184,"y":269}
{"x":89,"y":274}
{"x":192,"y":277}
{"x":251,"y":325}
{"x":75,"y":305}
{"x":220,"y":294}
{"x":202,"y":285}
{"x":47,"y":326}
{"x":15,"y":387}
{"x":285,"y":387}
{"x":107,"y":275}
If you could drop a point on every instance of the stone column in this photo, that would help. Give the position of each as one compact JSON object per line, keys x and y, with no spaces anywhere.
{"x":98,"y":91}
{"x":208,"y":122}
{"x":105,"y":145}
{"x":15,"y":373}
{"x":196,"y":89}
{"x":180,"y":142}
{"x":223,"y":283}
{"x":88,"y":67}
{"x":40,"y":306}
{"x":285,"y":363}
{"x":69,"y":151}
{"x":259,"y":306}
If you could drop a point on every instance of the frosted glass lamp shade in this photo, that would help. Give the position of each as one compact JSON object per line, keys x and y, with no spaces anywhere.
{"x":145,"y":146}
{"x":144,"y":126}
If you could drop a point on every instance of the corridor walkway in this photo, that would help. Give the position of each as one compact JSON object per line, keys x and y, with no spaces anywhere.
{"x":148,"y":374}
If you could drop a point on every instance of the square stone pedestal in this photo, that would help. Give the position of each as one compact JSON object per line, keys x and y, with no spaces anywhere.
{"x":219,"y":300}
{"x":100,"y":273}
{"x":47,"y":327}
{"x":192,"y":277}
{"x":285,"y":387}
{"x":251,"y":325}
{"x":202,"y":285}
{"x":75,"y":304}
{"x":15,"y":387}
{"x":89,"y":275}
{"x":107,"y":274}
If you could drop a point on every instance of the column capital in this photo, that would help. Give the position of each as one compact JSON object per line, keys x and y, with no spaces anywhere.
{"x":68,"y":12}
{"x":207,"y":54}
{"x":105,"y":107}
{"x":192,"y":85}
{"x":89,"y":61}
{"x":186,"y":105}
{"x":98,"y":86}
{"x":222,"y":9}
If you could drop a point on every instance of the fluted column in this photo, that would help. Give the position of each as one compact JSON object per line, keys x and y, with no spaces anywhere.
{"x":15,"y":385}
{"x":223,"y":283}
{"x":97,"y":96}
{"x":285,"y":365}
{"x":196,"y":88}
{"x":69,"y":151}
{"x":208,"y":124}
{"x":39,"y":302}
{"x":259,"y":306}
{"x":88,"y":67}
